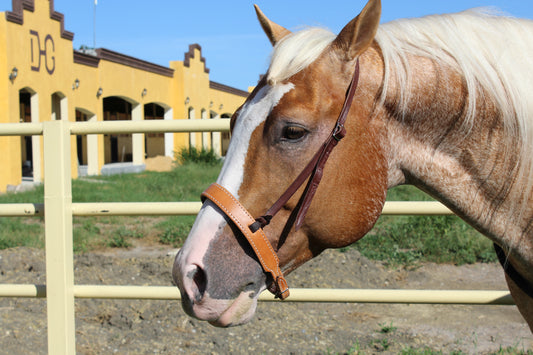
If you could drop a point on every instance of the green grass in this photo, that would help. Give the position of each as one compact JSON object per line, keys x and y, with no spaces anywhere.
{"x":398,"y":240}
{"x":184,"y":183}
{"x":14,"y":233}
{"x":407,"y":240}
{"x":174,"y":230}
{"x":387,"y":328}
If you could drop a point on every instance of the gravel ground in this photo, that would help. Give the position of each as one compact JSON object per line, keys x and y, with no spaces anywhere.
{"x":154,"y":327}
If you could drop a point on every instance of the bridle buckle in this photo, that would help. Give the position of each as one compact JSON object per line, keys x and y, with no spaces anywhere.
{"x":339,"y":132}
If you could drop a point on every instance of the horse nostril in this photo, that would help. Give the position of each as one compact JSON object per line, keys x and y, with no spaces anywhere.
{"x":200,"y":281}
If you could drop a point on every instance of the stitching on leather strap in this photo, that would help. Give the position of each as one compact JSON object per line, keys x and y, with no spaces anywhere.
{"x":236,"y":203}
{"x":235,"y":220}
{"x":270,"y":265}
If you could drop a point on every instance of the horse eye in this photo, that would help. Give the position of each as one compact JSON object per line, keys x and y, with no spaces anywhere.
{"x":293,"y":133}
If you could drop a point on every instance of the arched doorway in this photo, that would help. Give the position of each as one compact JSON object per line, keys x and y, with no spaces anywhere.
{"x":117,"y":147}
{"x":86,"y":146}
{"x":206,"y":136}
{"x":216,"y":140}
{"x":26,"y":146}
{"x":154,"y":143}
{"x":81,"y":140}
{"x":192,"y":135}
{"x":225,"y":136}
{"x":59,"y":107}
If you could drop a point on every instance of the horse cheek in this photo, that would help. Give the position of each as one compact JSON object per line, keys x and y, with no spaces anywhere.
{"x":355,"y":203}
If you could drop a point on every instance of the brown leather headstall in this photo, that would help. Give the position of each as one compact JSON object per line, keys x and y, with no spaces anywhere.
{"x":257,"y":239}
{"x":252,"y":229}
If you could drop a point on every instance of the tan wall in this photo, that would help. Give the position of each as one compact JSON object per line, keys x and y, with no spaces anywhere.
{"x":40,"y":37}
{"x":201,"y":95}
{"x":192,"y":81}
{"x":224,"y":103}
{"x":9,"y":157}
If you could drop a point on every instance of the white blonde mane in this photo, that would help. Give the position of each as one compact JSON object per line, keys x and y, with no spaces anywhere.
{"x":296,"y":51}
{"x":492,"y":52}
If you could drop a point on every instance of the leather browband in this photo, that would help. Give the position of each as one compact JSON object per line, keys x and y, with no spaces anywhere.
{"x":253,"y":229}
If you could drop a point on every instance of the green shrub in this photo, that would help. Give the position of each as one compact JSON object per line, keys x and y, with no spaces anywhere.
{"x":193,"y":155}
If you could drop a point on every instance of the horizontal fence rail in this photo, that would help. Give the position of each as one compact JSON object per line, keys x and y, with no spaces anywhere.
{"x":161,"y":126}
{"x":117,"y":127}
{"x":21,"y":129}
{"x":391,"y":208}
{"x":339,"y":295}
{"x":58,"y":210}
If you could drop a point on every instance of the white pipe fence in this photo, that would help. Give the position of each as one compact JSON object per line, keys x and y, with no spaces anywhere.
{"x":326,"y":295}
{"x":392,"y":208}
{"x":58,"y":210}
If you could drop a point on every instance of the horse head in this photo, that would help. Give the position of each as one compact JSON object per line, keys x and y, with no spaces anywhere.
{"x":279,"y":128}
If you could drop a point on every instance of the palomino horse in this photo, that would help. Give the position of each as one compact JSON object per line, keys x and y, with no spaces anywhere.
{"x":440,"y":102}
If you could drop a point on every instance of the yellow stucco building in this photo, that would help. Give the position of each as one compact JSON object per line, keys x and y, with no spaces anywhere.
{"x":43,"y":78}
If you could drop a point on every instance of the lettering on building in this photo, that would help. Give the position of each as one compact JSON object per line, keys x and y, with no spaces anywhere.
{"x":42,"y":53}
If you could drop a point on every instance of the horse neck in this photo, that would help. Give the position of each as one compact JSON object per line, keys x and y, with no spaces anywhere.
{"x":459,"y":162}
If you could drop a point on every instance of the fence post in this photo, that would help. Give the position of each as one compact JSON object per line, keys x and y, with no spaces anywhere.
{"x":58,"y":235}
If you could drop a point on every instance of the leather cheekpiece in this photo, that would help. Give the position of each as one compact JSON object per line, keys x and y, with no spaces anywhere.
{"x":242,"y":219}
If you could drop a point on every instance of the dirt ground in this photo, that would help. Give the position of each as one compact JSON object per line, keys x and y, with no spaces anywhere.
{"x":161,"y":327}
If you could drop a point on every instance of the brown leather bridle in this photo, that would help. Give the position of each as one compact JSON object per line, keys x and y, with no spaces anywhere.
{"x":252,"y":229}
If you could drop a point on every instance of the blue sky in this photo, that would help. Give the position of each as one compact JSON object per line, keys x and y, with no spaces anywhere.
{"x":232,"y":41}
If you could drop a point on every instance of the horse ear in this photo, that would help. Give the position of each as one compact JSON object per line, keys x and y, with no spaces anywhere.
{"x":273,"y":31}
{"x":359,"y":33}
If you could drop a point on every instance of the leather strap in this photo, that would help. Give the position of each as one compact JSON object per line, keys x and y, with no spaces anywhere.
{"x":258,"y":240}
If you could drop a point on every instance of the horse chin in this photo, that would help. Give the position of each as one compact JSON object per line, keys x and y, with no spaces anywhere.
{"x":227,"y":313}
{"x":240,"y":312}
{"x":222,"y":312}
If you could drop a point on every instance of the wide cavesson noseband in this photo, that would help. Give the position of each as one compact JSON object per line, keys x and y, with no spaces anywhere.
{"x":252,"y":229}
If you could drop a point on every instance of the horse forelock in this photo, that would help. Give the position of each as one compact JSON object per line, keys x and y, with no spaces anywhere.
{"x":296,"y":51}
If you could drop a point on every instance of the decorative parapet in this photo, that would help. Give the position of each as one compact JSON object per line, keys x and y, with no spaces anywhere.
{"x":17,"y":15}
{"x":190,"y":54}
{"x":54,"y":15}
